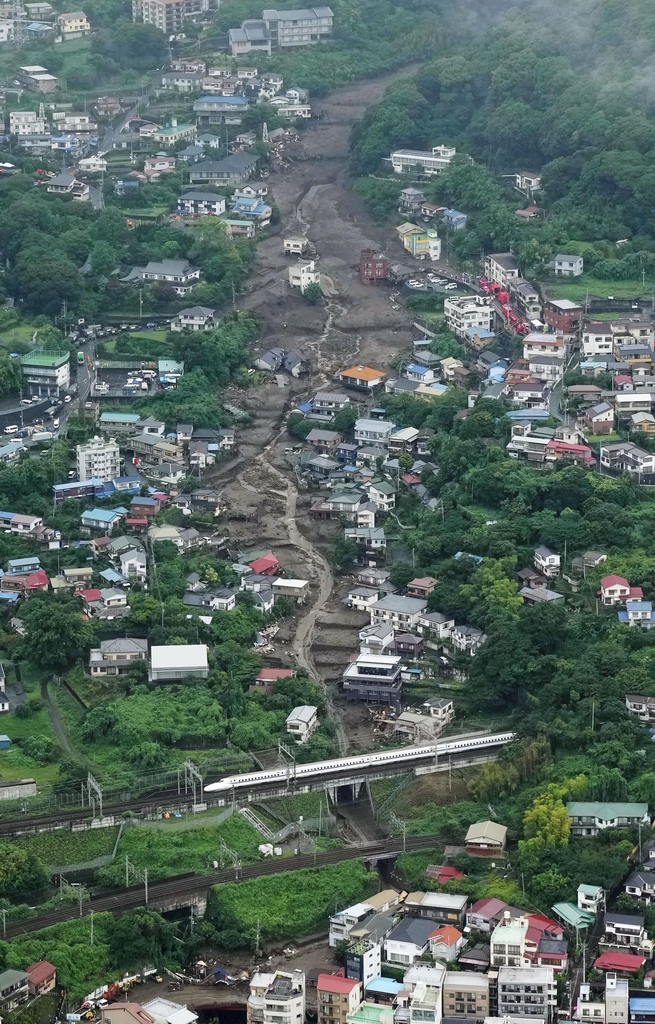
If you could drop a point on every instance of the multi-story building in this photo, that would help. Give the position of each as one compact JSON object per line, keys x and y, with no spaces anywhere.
{"x":98,"y":460}
{"x":424,"y":984}
{"x":501,"y":268}
{"x":299,"y":27}
{"x":508,"y":942}
{"x":337,"y":997}
{"x":539,"y":343}
{"x":25,"y":122}
{"x":373,"y":267}
{"x":73,"y":25}
{"x":179,"y":274}
{"x":562,"y":315}
{"x":413,"y":161}
{"x":466,"y":995}
{"x":526,"y":297}
{"x":46,"y":374}
{"x":597,"y":339}
{"x":374,"y":679}
{"x":14,"y":989}
{"x":168,"y":15}
{"x":420,"y":242}
{"x":547,"y":562}
{"x":277,"y":998}
{"x":400,"y":612}
{"x":373,"y":431}
{"x":567,"y":265}
{"x":527,"y":992}
{"x":643,"y":707}
{"x":467,"y":311}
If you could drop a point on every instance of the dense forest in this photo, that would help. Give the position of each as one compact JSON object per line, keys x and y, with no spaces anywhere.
{"x":550,"y":89}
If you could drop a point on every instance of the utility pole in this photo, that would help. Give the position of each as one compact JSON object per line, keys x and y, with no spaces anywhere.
{"x":91,"y":942}
{"x":4,"y":923}
{"x":145,"y":873}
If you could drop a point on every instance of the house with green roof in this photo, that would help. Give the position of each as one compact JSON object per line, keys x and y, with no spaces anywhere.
{"x":588,"y":819}
{"x":46,"y":373}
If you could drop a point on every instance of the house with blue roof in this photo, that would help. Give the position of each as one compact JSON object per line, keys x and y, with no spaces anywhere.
{"x":115,"y":578}
{"x":104,"y":519}
{"x":419,"y":373}
{"x":23,"y":566}
{"x":454,"y":219}
{"x":638,"y":613}
{"x":253,"y":208}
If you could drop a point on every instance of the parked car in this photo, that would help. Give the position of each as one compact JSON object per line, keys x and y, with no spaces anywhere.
{"x":11,"y":428}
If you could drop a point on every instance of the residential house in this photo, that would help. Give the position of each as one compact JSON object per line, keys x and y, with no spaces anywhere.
{"x":641,"y":884}
{"x":590,"y":897}
{"x":116,"y":657}
{"x":485,"y":914}
{"x":369,"y":431}
{"x":409,"y":940}
{"x":590,"y":818}
{"x":467,"y":639}
{"x":420,"y":242}
{"x":194,"y":318}
{"x":400,"y":612}
{"x":567,"y":266}
{"x":302,"y":722}
{"x":626,"y":457}
{"x":643,"y":422}
{"x":599,"y":419}
{"x":485,"y":838}
{"x":363,"y":378}
{"x":616,"y":589}
{"x":421,"y":586}
{"x":101,"y":519}
{"x":14,"y":989}
{"x":382,"y":494}
{"x":446,"y":943}
{"x":232,"y":170}
{"x":643,"y":707}
{"x":201,"y":204}
{"x":179,"y":274}
{"x":302,"y":274}
{"x":542,"y":343}
{"x":41,"y":977}
{"x":625,"y":932}
{"x":547,"y":562}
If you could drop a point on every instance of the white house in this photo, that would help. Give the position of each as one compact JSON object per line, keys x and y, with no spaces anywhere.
{"x":547,"y":561}
{"x":467,"y":638}
{"x":409,"y":940}
{"x":302,"y":722}
{"x":567,"y":266}
{"x":401,"y":612}
{"x":372,"y":431}
{"x":434,"y":161}
{"x":195,"y":318}
{"x":304,"y":274}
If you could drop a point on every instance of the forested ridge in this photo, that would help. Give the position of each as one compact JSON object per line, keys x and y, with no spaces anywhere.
{"x":566,"y":89}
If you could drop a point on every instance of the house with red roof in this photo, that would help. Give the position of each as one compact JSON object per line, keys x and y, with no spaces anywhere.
{"x":267,"y":677}
{"x":90,"y":594}
{"x":446,"y":942}
{"x":337,"y":997}
{"x":485,"y":914}
{"x":267,"y":565}
{"x":616,"y":590}
{"x":41,"y":977}
{"x":621,"y":963}
{"x":443,"y":873}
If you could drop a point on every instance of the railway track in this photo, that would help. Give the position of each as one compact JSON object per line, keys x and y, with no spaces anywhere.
{"x":168,"y":890}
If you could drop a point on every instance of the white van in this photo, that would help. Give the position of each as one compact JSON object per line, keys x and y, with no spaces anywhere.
{"x":11,"y":429}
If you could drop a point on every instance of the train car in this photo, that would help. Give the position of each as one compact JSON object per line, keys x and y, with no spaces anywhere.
{"x":403,"y":755}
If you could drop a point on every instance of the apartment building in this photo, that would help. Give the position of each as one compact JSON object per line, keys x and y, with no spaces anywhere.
{"x":590,"y":818}
{"x":400,"y":612}
{"x":508,"y":942}
{"x":98,"y":460}
{"x":501,"y":268}
{"x":337,"y":997}
{"x":466,"y":995}
{"x":372,"y":431}
{"x":168,"y":15}
{"x":373,"y":679}
{"x":279,"y":999}
{"x":542,"y":343}
{"x":468,"y":311}
{"x":527,"y":992}
{"x":299,"y":27}
{"x":625,"y":932}
{"x":414,"y":161}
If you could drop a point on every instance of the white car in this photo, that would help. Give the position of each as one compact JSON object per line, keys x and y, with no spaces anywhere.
{"x":449,"y":287}
{"x":68,"y":398}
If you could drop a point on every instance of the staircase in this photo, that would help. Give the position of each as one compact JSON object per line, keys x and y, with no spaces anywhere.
{"x":256,"y":822}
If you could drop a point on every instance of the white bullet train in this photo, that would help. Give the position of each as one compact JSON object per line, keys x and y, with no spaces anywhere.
{"x":403,"y":755}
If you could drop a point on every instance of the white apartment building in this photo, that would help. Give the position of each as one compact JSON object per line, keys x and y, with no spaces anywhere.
{"x":276,"y":998}
{"x":6,"y":31}
{"x":343,"y":923}
{"x":25,"y":122}
{"x":501,"y":268}
{"x":425,"y":985}
{"x":468,"y":311}
{"x":527,"y":992}
{"x":398,"y":611}
{"x":416,"y":161}
{"x":168,"y":15}
{"x":98,"y":460}
{"x":299,"y":27}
